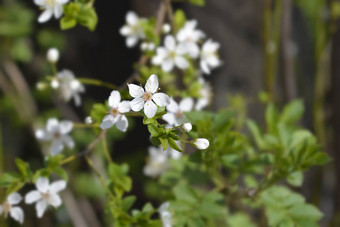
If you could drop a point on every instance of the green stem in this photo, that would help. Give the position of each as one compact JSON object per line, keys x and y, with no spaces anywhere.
{"x":95,"y":82}
{"x":101,"y":179}
{"x":106,"y":150}
{"x":82,"y":125}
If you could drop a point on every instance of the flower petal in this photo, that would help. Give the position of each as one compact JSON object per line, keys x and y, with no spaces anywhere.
{"x":42,"y":184}
{"x":125,"y":30}
{"x":161,"y":99}
{"x":57,"y":146}
{"x":152,"y":84}
{"x":54,"y":200}
{"x":108,"y":122}
{"x":65,"y":127}
{"x":150,"y":109}
{"x":135,"y":91}
{"x":45,"y":16}
{"x":57,"y":186}
{"x":137,"y":104}
{"x":40,"y":208}
{"x":32,"y":197}
{"x":122,"y":123}
{"x":42,"y":135}
{"x":58,"y":11}
{"x":17,"y":214}
{"x":173,"y":106}
{"x":170,"y":42}
{"x":181,"y":62}
{"x":131,"y":41}
{"x":14,"y":198}
{"x":167,"y":65}
{"x":124,"y":107}
{"x":170,"y":118}
{"x":204,"y":67}
{"x":68,"y":141}
{"x":186,"y":104}
{"x":52,"y":125}
{"x":131,"y":18}
{"x":114,"y":99}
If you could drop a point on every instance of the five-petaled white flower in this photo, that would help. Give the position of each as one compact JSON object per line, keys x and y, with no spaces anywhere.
{"x":68,"y":86}
{"x":175,"y":115}
{"x":171,"y":55}
{"x":116,"y":116}
{"x":165,"y":214}
{"x":50,"y":7}
{"x":189,"y":37}
{"x":133,"y":29}
{"x":209,"y":56}
{"x":158,"y":160}
{"x":57,"y":132}
{"x":147,"y":98}
{"x":15,"y":212}
{"x":47,"y":194}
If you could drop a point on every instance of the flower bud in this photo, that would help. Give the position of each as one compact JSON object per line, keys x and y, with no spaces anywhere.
{"x":55,"y":83}
{"x":187,"y":127}
{"x":151,"y":46}
{"x":88,"y":120}
{"x":52,"y":55}
{"x":166,"y":28}
{"x":201,"y":143}
{"x":41,"y":86}
{"x":144,"y":46}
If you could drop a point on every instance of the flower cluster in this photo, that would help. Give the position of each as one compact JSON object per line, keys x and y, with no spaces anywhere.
{"x":45,"y":195}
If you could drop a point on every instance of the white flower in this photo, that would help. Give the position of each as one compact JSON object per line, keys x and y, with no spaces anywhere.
{"x":50,"y":7}
{"x":88,"y":120}
{"x":157,"y":163}
{"x":68,"y":86}
{"x":15,"y":212}
{"x":170,"y":55}
{"x":147,"y":99}
{"x":209,"y":56}
{"x":201,"y":143}
{"x":47,"y":194}
{"x":133,"y":29}
{"x":57,"y":132}
{"x":175,"y":115}
{"x":205,"y":95}
{"x":189,"y":37}
{"x":165,"y":214}
{"x":52,"y":55}
{"x":116,"y":117}
{"x":166,"y":28}
{"x":187,"y":127}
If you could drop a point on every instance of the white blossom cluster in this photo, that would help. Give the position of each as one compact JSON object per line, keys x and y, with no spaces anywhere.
{"x":46,"y":195}
{"x":178,"y":48}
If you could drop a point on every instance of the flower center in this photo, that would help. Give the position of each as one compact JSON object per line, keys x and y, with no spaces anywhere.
{"x":56,"y":135}
{"x":179,"y":114}
{"x":6,"y":207}
{"x":147,"y":96}
{"x":114,"y":111}
{"x":45,"y":196}
{"x":50,"y":3}
{"x":172,"y":54}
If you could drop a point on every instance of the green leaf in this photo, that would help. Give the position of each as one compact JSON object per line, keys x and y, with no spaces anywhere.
{"x":67,"y":23}
{"x":231,"y":161}
{"x":185,"y":193}
{"x":198,"y":2}
{"x":295,"y":179}
{"x":21,"y":50}
{"x":98,"y":112}
{"x":23,"y":167}
{"x":164,"y":143}
{"x":179,"y":18}
{"x":62,"y":173}
{"x":173,"y":144}
{"x":292,"y":112}
{"x":256,"y":132}
{"x":9,"y":178}
{"x":154,"y":130}
{"x":88,"y":17}
{"x":128,"y":202}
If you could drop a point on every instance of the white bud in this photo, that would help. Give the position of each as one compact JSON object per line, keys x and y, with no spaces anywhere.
{"x":88,"y":120}
{"x":187,"y":127}
{"x":201,"y":143}
{"x":144,"y":46}
{"x":52,"y":55}
{"x":55,"y":83}
{"x":151,"y":46}
{"x":41,"y":86}
{"x":166,"y":28}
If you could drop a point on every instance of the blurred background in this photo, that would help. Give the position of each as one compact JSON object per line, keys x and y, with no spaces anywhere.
{"x":290,"y":49}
